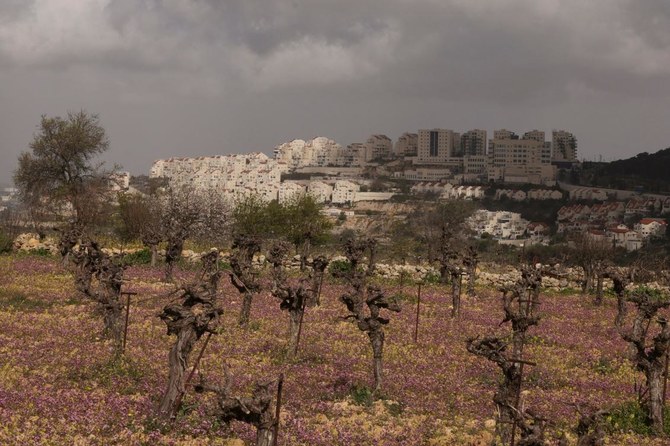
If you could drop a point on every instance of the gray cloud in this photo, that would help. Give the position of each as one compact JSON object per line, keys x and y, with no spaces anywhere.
{"x":176,"y":77}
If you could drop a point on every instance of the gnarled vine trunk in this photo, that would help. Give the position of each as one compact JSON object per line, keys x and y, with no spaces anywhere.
{"x":245,"y":312}
{"x":178,"y":362}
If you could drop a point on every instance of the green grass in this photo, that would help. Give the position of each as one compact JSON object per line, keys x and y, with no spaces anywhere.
{"x":14,"y":300}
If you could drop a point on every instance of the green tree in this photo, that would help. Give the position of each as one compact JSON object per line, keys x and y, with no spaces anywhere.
{"x":254,"y":217}
{"x":305,"y":225}
{"x":59,"y":173}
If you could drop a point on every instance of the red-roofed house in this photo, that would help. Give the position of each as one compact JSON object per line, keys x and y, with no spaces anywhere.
{"x":651,"y":227}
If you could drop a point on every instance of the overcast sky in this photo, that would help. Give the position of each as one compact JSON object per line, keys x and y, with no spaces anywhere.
{"x":196,"y":77}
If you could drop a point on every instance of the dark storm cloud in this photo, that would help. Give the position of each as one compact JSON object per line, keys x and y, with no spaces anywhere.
{"x":178,"y":77}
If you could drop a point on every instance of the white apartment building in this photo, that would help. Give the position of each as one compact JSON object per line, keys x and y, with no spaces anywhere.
{"x":563,"y":146}
{"x":535,"y":135}
{"x":289,"y":190}
{"x":437,"y":146}
{"x":344,"y":192}
{"x":322,"y":192}
{"x":501,"y":225}
{"x":378,"y":147}
{"x":475,"y":164}
{"x":246,"y":174}
{"x":514,"y":160}
{"x":473,"y":143}
{"x":407,"y":145}
{"x":319,"y":151}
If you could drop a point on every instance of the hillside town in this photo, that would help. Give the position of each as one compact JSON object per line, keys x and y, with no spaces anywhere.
{"x":503,"y":175}
{"x":435,"y":155}
{"x":439,"y":163}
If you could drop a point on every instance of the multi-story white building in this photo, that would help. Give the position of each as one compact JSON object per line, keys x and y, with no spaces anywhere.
{"x":563,"y":146}
{"x":319,"y":151}
{"x":322,"y":192}
{"x":535,"y":135}
{"x":289,"y":190}
{"x":378,"y":147}
{"x":473,"y":143}
{"x":437,"y":146}
{"x":502,"y":225}
{"x":344,"y":192}
{"x":515,"y":160}
{"x":247,"y":174}
{"x":407,"y":145}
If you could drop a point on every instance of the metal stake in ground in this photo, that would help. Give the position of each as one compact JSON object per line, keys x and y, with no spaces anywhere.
{"x":280,"y":385}
{"x":195,"y":366}
{"x":418,"y":310}
{"x":197,"y":360}
{"x":125,"y":327}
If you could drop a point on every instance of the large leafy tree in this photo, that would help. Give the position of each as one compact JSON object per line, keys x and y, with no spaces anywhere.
{"x":305,"y":225}
{"x":59,"y":172}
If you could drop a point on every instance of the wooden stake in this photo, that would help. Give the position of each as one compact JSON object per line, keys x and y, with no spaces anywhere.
{"x":280,"y":385}
{"x":418,"y":310}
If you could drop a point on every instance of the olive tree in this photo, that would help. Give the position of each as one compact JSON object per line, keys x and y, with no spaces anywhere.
{"x":60,"y":175}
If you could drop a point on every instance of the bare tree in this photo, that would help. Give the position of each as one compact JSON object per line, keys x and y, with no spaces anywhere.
{"x":471,"y":261}
{"x":293,"y":297}
{"x":590,"y":255}
{"x":591,"y":428}
{"x":319,"y":265}
{"x":520,"y":304}
{"x":142,"y":219}
{"x":181,"y":217}
{"x":256,"y":410}
{"x":243,"y":275}
{"x":70,"y":235}
{"x":451,"y":268}
{"x":92,"y":263}
{"x":621,"y":277}
{"x":194,"y":313}
{"x":362,"y":295}
{"x":186,"y":213}
{"x":649,"y":357}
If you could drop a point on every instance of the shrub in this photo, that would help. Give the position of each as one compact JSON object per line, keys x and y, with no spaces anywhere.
{"x":5,"y":242}
{"x":337,"y":267}
{"x":42,"y":252}
{"x":361,"y":395}
{"x":630,"y":417}
{"x":431,"y":278}
{"x":141,"y":257}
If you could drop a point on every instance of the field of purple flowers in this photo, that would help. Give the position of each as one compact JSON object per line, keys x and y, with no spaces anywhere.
{"x":59,"y":383}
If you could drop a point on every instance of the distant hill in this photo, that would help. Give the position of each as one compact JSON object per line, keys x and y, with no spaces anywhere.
{"x":644,"y":172}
